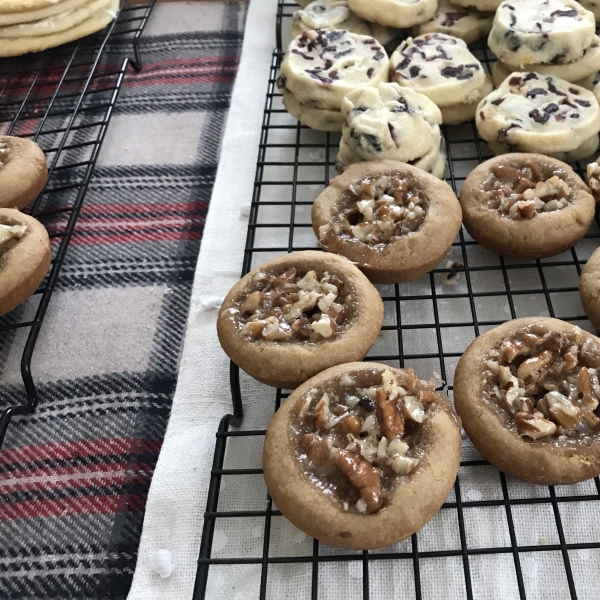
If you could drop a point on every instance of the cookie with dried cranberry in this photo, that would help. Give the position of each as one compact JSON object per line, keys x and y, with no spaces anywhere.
{"x":315,"y":118}
{"x":482,"y":5}
{"x":23,"y":171}
{"x":298,"y":314}
{"x":550,"y":32}
{"x":526,"y":206}
{"x":24,"y":257}
{"x":529,"y":112}
{"x":394,"y":13}
{"x":527,"y":392}
{"x":321,"y":67}
{"x":468,"y":24}
{"x":393,"y":220}
{"x":362,"y":455}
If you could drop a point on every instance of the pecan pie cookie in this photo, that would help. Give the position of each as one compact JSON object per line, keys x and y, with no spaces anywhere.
{"x":527,"y":392}
{"x":298,"y":314}
{"x":593,"y":179}
{"x":24,"y":257}
{"x":526,"y":205}
{"x":393,"y":220}
{"x":362,"y":455}
{"x":23,"y":171}
{"x":589,"y":289}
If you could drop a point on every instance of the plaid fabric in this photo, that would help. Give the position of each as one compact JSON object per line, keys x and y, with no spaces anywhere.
{"x":74,"y":476}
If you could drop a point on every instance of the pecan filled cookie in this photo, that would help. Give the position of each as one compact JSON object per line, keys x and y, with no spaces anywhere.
{"x":526,"y":206}
{"x":589,"y":289}
{"x":393,"y":220}
{"x":362,"y":455}
{"x":24,"y":257}
{"x":298,"y":314}
{"x":527,"y":392}
{"x":23,"y":171}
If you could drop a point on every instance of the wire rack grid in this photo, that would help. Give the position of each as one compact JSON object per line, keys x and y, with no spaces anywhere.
{"x":494,"y":536}
{"x":62,"y":99}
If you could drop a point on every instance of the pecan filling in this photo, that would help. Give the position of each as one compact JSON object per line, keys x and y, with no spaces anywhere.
{"x":379,"y":211}
{"x":296,"y":307}
{"x":547,"y":382}
{"x":355,"y":439}
{"x":526,"y":192}
{"x":10,"y":236}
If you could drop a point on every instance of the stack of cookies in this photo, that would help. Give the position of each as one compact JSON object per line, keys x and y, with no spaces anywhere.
{"x":35,"y":25}
{"x":321,"y":67}
{"x":555,"y":37}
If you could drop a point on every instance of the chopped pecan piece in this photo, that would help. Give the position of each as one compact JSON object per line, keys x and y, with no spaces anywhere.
{"x":316,"y":448}
{"x":351,"y":425}
{"x":563,"y":411}
{"x":364,"y":477}
{"x":426,"y":396}
{"x":529,"y":369}
{"x":254,"y":329}
{"x":534,"y":426}
{"x":253,"y":302}
{"x":393,"y":423}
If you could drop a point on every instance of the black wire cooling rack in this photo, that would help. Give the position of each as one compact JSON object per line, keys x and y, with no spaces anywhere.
{"x":62,"y":99}
{"x":490,"y":524}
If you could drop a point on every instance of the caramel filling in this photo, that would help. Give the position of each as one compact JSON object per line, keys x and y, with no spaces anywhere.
{"x":355,"y":439}
{"x":546,"y":383}
{"x":526,"y":192}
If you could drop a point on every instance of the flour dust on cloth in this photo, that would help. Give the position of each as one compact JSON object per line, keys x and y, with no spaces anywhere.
{"x":50,"y":24}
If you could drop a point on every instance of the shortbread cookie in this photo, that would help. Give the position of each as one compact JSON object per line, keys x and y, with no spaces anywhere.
{"x":459,"y":113}
{"x":393,"y":220}
{"x":51,"y":10}
{"x":582,"y":70}
{"x":593,"y":6}
{"x":526,"y":206}
{"x":535,"y":113}
{"x":96,"y":22}
{"x":24,"y":257}
{"x":482,"y":5}
{"x":56,"y":23}
{"x":321,"y":67}
{"x":23,"y":171}
{"x":468,"y":24}
{"x":298,"y":314}
{"x":527,"y":392}
{"x":589,"y":288}
{"x":551,"y":32}
{"x":394,"y":13}
{"x":315,"y":118}
{"x":362,"y":455}
{"x":390,"y":122}
{"x":327,"y":15}
{"x":19,"y":6}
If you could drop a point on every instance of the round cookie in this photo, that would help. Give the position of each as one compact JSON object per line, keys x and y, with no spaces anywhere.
{"x":538,"y":420}
{"x":23,"y":171}
{"x":321,"y":67}
{"x":326,"y":15}
{"x":24,"y":257}
{"x":393,"y":220}
{"x":536,"y":113}
{"x":51,"y":10}
{"x":589,"y":288}
{"x":585,"y":149}
{"x":578,"y":72}
{"x":96,"y":22}
{"x":459,"y":113}
{"x":550,"y":32}
{"x":526,"y":206}
{"x":468,"y":24}
{"x":298,"y":314}
{"x":593,"y":179}
{"x":482,"y":5}
{"x":394,"y":13}
{"x":371,"y":492}
{"x":439,"y":66}
{"x":20,"y":6}
{"x":315,"y":118}
{"x":390,"y":122}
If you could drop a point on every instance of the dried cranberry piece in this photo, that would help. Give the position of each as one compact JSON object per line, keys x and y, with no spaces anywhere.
{"x":539,"y":117}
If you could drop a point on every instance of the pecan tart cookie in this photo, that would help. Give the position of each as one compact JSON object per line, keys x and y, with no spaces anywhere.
{"x":527,"y":392}
{"x":362,"y":455}
{"x":589,"y":289}
{"x":23,"y":171}
{"x":393,"y":220}
{"x":24,"y":257}
{"x":526,"y":205}
{"x":298,"y":314}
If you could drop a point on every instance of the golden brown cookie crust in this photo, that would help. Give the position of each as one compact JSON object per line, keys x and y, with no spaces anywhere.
{"x":406,"y":258}
{"x":23,"y":172}
{"x":589,"y":289}
{"x":24,"y":266}
{"x":411,"y":503}
{"x":543,"y":463}
{"x":288,"y":364}
{"x":546,"y":234}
